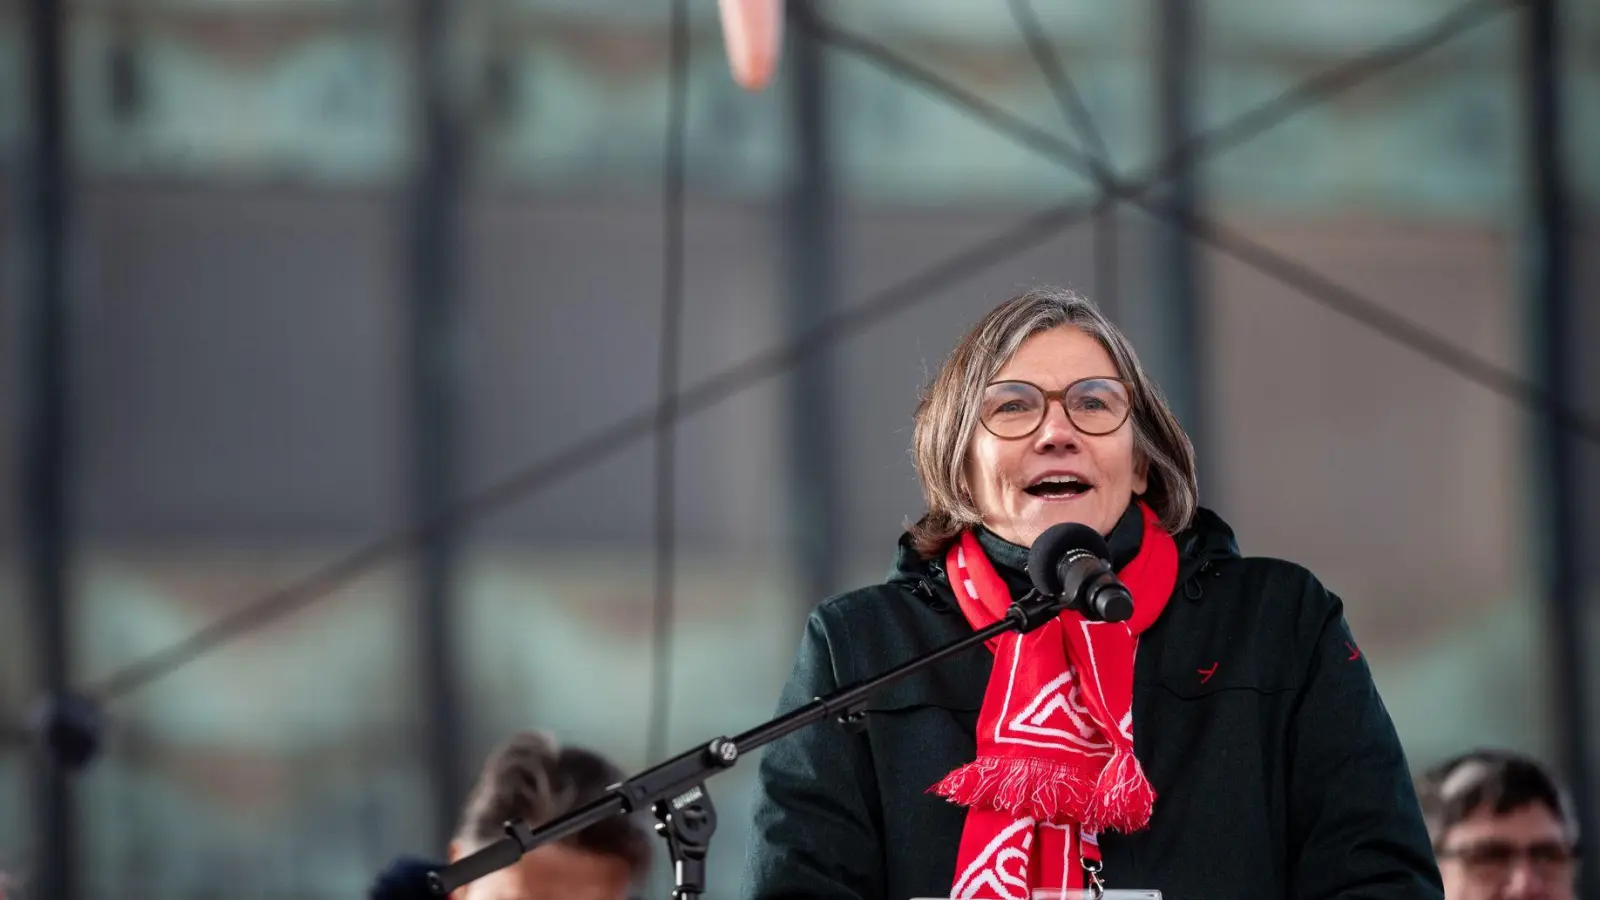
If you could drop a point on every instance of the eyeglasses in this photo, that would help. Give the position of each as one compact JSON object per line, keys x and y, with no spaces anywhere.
{"x":1016,"y":409}
{"x":1493,"y":861}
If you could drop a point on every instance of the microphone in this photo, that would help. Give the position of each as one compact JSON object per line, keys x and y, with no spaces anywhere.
{"x":1069,"y":561}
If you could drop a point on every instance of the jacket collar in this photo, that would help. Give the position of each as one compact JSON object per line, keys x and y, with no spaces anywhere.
{"x":1207,"y":539}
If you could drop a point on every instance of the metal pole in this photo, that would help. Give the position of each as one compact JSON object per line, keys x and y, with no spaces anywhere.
{"x":1547,"y":262}
{"x":1107,"y":258}
{"x":432,"y":372}
{"x":811,"y":222}
{"x":1179,"y":290}
{"x":47,"y":459}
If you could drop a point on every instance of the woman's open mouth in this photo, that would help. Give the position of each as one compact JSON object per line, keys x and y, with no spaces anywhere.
{"x":1059,"y":487}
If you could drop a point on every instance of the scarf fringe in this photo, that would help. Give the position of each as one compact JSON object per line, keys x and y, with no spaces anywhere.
{"x":1122,"y":798}
{"x":1023,"y":787}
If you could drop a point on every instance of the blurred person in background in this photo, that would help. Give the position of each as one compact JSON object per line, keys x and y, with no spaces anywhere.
{"x":532,"y":778}
{"x":1502,"y":827}
{"x":1243,"y":751}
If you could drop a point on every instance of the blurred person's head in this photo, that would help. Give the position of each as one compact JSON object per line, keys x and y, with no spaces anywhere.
{"x":1042,"y":414}
{"x":530,"y":777}
{"x":1502,"y":828}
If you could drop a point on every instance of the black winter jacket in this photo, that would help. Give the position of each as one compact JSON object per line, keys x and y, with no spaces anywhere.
{"x":1277,"y":769}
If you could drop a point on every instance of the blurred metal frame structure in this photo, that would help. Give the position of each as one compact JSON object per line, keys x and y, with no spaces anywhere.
{"x":48,"y":427}
{"x":600,"y":445}
{"x":1548,"y":284}
{"x":1075,"y":112}
{"x":1179,"y":294}
{"x":811,"y":222}
{"x":433,"y":363}
{"x":1547,"y":264}
{"x":674,"y":221}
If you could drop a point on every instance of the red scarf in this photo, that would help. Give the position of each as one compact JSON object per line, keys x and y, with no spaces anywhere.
{"x":1055,"y":761}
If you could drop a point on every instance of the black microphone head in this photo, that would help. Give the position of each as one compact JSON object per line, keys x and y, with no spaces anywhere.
{"x":1113,"y":604}
{"x":1051,"y":547}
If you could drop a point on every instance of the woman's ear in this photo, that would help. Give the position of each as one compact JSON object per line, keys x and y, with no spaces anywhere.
{"x":1141,"y":473}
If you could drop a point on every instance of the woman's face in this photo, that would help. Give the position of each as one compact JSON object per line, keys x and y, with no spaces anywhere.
{"x":1005,"y":475}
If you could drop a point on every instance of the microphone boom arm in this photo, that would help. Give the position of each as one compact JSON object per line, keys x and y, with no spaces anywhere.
{"x":675,"y":790}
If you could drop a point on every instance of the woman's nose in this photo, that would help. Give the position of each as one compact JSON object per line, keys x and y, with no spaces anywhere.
{"x":1057,"y":430}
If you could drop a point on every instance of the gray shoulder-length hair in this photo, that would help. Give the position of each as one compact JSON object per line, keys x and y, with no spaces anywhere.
{"x":947,"y":415}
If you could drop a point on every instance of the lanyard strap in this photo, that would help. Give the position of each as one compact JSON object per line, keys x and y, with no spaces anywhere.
{"x":1089,"y":856}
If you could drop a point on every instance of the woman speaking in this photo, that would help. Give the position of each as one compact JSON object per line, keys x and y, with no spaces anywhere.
{"x":1226,"y":742}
